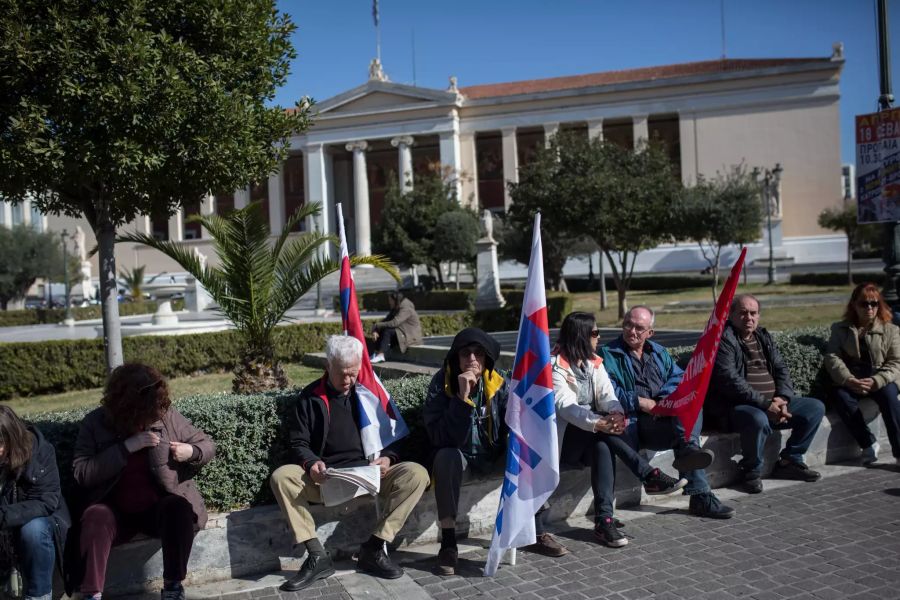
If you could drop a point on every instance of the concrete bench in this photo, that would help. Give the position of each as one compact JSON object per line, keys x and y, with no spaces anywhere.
{"x":257,"y":541}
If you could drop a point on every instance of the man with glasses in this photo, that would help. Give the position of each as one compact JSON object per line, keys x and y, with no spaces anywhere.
{"x":464,"y":417}
{"x":751,"y":393}
{"x":643,"y":372}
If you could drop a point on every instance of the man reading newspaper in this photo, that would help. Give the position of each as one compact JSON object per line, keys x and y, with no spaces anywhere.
{"x":324,"y":434}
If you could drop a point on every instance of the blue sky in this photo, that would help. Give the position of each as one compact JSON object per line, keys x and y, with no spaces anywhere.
{"x":490,"y":41}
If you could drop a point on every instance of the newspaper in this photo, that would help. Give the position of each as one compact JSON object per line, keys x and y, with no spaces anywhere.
{"x":342,"y":485}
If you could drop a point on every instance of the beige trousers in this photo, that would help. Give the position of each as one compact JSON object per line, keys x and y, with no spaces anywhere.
{"x":401,"y":487}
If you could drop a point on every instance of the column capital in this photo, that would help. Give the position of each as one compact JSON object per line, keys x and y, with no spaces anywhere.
{"x":402,"y":140}
{"x":361,"y":146}
{"x":639,"y":117}
{"x":312,"y":147}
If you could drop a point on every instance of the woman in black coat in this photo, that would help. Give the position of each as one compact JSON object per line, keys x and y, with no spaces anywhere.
{"x":33,"y":515}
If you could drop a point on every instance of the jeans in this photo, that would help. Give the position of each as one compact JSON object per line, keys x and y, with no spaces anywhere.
{"x":599,"y":451}
{"x":386,"y":338}
{"x":847,"y":404}
{"x":754,"y":426}
{"x":38,"y":556}
{"x":667,"y":433}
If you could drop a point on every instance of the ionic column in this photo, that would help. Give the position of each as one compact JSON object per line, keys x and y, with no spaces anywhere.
{"x":510,"y":163}
{"x":241,"y":198}
{"x":595,"y":129}
{"x":6,"y":208}
{"x":470,"y":167}
{"x":404,"y":144}
{"x":176,"y":226}
{"x":451,"y":156}
{"x":207,"y":207}
{"x":550,"y":129}
{"x":26,"y":212}
{"x":361,"y":195}
{"x":641,"y":133}
{"x":276,"y":201}
{"x":317,"y":185}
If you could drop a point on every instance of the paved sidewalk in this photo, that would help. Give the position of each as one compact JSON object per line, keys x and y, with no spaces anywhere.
{"x":835,"y":539}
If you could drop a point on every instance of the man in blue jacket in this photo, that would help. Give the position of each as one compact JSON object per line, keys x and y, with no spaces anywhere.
{"x":643,"y":372}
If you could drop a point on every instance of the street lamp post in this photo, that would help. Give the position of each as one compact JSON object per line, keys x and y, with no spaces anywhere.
{"x":69,"y":321}
{"x":771,"y":180}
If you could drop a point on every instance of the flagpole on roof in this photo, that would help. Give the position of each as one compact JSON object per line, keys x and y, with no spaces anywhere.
{"x":377,"y":18}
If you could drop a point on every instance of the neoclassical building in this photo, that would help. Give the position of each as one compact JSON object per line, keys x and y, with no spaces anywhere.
{"x":711,"y":115}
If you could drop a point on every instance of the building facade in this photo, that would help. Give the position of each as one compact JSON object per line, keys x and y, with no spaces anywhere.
{"x":711,"y":115}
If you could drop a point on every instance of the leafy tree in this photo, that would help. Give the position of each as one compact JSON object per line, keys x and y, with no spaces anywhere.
{"x":25,"y":255}
{"x":843,"y":219}
{"x":256,"y":283}
{"x":112,"y":108}
{"x":622,"y":198}
{"x":455,"y":234}
{"x":718,"y":212}
{"x":409,"y":221}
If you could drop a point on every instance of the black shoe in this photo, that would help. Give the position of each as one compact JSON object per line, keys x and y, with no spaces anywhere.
{"x":794,"y":470}
{"x":707,"y":505}
{"x":693,"y":459}
{"x":447,"y":559}
{"x":376,"y":562}
{"x":607,"y":534}
{"x":752,"y":483}
{"x":315,"y":567}
{"x":658,"y":483}
{"x":547,"y":545}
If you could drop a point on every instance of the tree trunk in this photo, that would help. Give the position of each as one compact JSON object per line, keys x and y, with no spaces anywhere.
{"x":604,"y":300}
{"x":109,"y":296}
{"x":3,"y":304}
{"x":258,"y":371}
{"x":620,"y":282}
{"x":623,"y":301}
{"x":715,"y":274}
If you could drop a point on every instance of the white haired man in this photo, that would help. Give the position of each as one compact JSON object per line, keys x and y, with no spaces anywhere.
{"x":324,"y":432}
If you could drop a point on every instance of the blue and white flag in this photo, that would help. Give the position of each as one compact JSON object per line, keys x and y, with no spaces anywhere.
{"x":532,"y":456}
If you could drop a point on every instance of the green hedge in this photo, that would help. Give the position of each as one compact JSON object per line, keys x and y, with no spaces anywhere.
{"x":250,"y":436}
{"x":641,"y":283}
{"x":835,"y":279}
{"x":30,"y":368}
{"x":433,"y":300}
{"x":42,"y":316}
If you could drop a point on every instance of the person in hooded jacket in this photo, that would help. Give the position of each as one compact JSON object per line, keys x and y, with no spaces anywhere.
{"x":135,"y":460}
{"x":464,"y":418}
{"x":34,"y":518}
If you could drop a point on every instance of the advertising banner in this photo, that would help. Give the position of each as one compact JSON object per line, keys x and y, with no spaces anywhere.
{"x":878,"y":166}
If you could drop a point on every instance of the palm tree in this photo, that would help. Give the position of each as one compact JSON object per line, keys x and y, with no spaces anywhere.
{"x":256,"y":282}
{"x":133,"y":281}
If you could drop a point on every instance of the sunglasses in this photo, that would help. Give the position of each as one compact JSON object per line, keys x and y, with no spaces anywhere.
{"x":595,"y":332}
{"x":868,"y":304}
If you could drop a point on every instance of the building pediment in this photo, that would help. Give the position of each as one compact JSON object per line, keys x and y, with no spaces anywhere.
{"x":384,"y":96}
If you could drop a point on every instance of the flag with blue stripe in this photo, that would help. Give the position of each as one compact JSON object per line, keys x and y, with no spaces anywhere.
{"x":532,"y":456}
{"x":380,"y":422}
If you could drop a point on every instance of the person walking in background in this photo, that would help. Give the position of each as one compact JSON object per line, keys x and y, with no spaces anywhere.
{"x":400,"y":328}
{"x":863,"y":360}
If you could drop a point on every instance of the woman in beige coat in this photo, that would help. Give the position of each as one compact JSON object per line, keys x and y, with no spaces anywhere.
{"x":863,"y":360}
{"x":135,"y":460}
{"x":399,"y":328}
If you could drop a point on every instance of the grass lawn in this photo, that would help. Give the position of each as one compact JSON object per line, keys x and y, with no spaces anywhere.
{"x":299,"y":375}
{"x":774,"y":317}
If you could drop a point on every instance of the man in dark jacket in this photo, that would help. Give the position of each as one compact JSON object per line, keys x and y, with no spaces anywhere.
{"x":464,"y":417}
{"x":324,"y":433}
{"x":751,"y":393}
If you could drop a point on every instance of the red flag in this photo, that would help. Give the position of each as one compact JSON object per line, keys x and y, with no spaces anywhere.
{"x":687,"y":399}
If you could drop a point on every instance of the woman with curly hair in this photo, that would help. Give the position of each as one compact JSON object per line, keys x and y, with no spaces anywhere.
{"x":135,"y":458}
{"x":863,"y":360}
{"x":33,"y":515}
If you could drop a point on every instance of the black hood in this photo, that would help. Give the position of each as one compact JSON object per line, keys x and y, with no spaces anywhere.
{"x":473,"y":335}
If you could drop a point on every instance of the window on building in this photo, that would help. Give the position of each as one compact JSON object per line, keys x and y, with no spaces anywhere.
{"x":489,"y":156}
{"x":382,"y":168}
{"x":665,"y":130}
{"x":528,"y":141}
{"x":574,"y":128}
{"x":192,"y":229}
{"x":620,"y":132}
{"x":294,"y":188}
{"x":224,"y":204}
{"x":259,"y":192}
{"x":159,"y":227}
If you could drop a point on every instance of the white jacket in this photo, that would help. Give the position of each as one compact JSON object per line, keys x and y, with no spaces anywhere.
{"x":565,"y":388}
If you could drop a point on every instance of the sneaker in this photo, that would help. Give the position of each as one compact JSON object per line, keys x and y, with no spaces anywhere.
{"x":607,"y":534}
{"x":447,"y":559}
{"x":658,"y":483}
{"x":752,"y":483}
{"x":547,"y":545}
{"x":376,"y":358}
{"x":870,"y":454}
{"x":794,"y":470}
{"x":693,"y":459}
{"x":314,"y":568}
{"x":172,"y":593}
{"x":707,"y":505}
{"x":377,"y":563}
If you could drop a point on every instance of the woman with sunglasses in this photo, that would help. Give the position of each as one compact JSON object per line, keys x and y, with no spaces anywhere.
{"x":591,"y":422}
{"x":135,"y":459}
{"x":863,"y":360}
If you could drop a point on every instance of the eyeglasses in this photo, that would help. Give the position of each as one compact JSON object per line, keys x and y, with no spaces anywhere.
{"x":476,"y":350}
{"x":595,"y":332}
{"x":638,"y":329}
{"x":867,"y":304}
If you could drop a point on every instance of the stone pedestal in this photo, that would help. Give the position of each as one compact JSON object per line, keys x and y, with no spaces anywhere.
{"x":488,"y":294}
{"x":164,"y":315}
